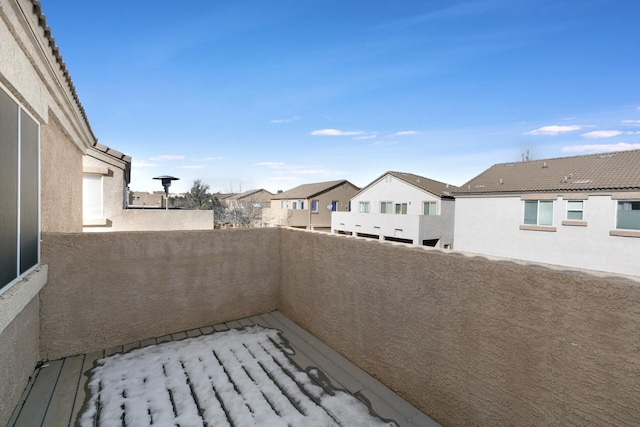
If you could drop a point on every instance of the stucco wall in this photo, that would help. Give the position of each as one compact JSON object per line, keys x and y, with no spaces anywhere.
{"x":18,"y":356}
{"x":491,"y":226}
{"x":108,"y":289}
{"x":467,"y":340}
{"x":61,"y":180}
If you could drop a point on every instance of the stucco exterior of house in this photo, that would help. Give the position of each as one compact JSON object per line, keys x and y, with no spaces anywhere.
{"x":401,"y":207}
{"x":581,"y":211}
{"x":106,"y":175}
{"x":309,"y":206}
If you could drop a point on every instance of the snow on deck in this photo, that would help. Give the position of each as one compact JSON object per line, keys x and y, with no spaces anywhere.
{"x":241,"y":377}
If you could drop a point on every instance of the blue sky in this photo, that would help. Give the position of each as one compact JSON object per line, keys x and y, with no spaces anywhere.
{"x":268,"y":94}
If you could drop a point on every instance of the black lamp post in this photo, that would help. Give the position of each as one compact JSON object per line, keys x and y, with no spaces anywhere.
{"x":166,"y":183}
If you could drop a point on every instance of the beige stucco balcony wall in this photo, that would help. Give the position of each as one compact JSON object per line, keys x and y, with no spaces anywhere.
{"x":107,"y":289}
{"x":468,"y":340}
{"x":471,"y":341}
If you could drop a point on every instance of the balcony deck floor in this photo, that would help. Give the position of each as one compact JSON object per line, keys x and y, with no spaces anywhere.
{"x":56,"y":392}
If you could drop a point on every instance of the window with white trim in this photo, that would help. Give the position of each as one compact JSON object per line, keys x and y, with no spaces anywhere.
{"x":386,"y":207}
{"x":314,"y":206}
{"x":429,"y":208}
{"x":575,"y":210}
{"x":538,"y":212}
{"x":401,"y":208}
{"x":628,"y":215}
{"x":19,"y":192}
{"x":283,"y":204}
{"x":364,"y":207}
{"x":92,"y":195}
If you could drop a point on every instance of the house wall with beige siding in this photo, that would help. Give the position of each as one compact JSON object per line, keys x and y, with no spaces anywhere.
{"x":471,"y":341}
{"x":32,"y":75}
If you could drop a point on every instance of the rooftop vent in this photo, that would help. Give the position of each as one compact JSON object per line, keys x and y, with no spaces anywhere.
{"x":581,"y":181}
{"x":606,"y":156}
{"x":544,"y":165}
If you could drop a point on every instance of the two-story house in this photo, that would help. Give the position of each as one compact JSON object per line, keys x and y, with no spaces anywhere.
{"x":581,"y":211}
{"x":309,"y":206}
{"x":246,"y":208}
{"x":401,"y":207}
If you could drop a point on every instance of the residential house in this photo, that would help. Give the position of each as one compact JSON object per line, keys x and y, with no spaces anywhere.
{"x":309,"y":206}
{"x":401,"y":207}
{"x":106,"y":174}
{"x":246,"y":208}
{"x":144,"y":199}
{"x":581,"y":211}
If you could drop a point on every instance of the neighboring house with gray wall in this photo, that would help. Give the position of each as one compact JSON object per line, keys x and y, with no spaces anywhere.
{"x":309,"y":206}
{"x":581,"y":211}
{"x":401,"y":207}
{"x":144,"y":199}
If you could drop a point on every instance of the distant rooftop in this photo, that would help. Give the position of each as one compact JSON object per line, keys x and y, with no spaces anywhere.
{"x":306,"y":191}
{"x":618,"y":171}
{"x":437,"y":188}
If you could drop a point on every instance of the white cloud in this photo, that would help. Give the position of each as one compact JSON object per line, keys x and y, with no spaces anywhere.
{"x":598,"y":134}
{"x":143,"y":164}
{"x":622,"y":146}
{"x":406,"y":132}
{"x":192,"y":167}
{"x":335,"y":132}
{"x":292,"y":119}
{"x":284,"y":178}
{"x":207,"y":159}
{"x":166,"y":157}
{"x":553,"y":130}
{"x":631,"y":122}
{"x":569,"y":118}
{"x":270,"y":164}
{"x":366,"y":137}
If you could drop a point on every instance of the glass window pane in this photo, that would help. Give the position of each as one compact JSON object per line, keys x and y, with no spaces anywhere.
{"x":9,"y":180}
{"x":531,"y":212}
{"x":574,"y":215}
{"x":628,"y":216}
{"x":545,"y":213}
{"x":574,"y":205}
{"x":29,"y":227}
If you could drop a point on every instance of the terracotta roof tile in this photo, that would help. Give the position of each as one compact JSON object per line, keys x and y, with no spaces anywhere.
{"x":604,"y":171}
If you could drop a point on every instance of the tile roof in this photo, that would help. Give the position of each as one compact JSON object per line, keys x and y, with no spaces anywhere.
{"x":594,"y":172}
{"x":306,"y":191}
{"x":55,"y":51}
{"x":247,"y":194}
{"x":434,"y":187}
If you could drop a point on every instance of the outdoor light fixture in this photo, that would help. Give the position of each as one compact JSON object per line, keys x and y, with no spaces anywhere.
{"x":166,"y":183}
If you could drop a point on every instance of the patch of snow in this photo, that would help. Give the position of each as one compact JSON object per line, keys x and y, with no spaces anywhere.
{"x":239,"y":377}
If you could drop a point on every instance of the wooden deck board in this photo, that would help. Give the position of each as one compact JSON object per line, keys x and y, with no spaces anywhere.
{"x":56,"y":394}
{"x":87,"y":365}
{"x":65,"y":392}
{"x":35,"y":407}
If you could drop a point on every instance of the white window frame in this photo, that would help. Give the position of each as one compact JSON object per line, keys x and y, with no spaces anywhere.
{"x":426,"y":211}
{"x":314,"y":205}
{"x":574,"y":209}
{"x":401,"y":208}
{"x":363,"y":207}
{"x":631,"y":203}
{"x":388,"y":207}
{"x":92,"y":188}
{"x":539,"y":203}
